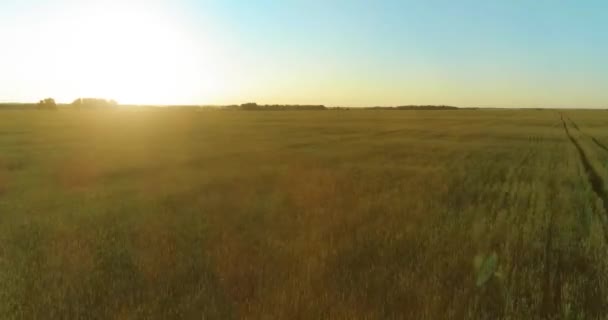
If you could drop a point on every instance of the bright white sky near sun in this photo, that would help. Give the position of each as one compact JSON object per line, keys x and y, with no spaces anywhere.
{"x":466,"y":53}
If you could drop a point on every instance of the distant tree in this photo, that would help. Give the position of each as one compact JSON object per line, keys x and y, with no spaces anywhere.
{"x":280,"y":107}
{"x":47,"y":104}
{"x":428,"y":107}
{"x":413,"y":107}
{"x":94,"y":103}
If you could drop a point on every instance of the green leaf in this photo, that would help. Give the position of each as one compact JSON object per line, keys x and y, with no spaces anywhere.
{"x":487,"y":269}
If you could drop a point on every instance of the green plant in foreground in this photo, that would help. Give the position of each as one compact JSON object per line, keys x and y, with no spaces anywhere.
{"x":486,"y":268}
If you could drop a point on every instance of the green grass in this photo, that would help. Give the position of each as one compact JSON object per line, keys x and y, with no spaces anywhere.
{"x":182,"y":214}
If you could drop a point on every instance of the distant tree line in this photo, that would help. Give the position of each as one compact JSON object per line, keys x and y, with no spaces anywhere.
{"x":274,"y":107}
{"x":416,"y":107}
{"x":50,"y":104}
{"x":94,"y":103}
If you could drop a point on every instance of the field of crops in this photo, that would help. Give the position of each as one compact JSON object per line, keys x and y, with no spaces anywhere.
{"x":371,"y":214}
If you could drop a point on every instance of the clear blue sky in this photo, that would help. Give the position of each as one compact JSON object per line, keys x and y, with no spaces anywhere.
{"x":467,"y":53}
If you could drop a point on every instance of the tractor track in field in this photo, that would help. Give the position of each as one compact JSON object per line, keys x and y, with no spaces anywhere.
{"x":597,"y":142}
{"x":596,"y":181}
{"x":594,"y":178}
{"x":552,"y":282}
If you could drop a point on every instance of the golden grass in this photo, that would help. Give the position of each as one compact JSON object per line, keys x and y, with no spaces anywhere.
{"x":183,"y":214}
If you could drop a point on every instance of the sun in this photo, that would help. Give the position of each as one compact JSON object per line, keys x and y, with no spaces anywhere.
{"x":133,"y":55}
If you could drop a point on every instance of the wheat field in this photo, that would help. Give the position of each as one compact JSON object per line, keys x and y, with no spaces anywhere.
{"x":339,"y":214}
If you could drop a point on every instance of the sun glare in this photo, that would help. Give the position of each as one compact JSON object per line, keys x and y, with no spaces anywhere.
{"x":133,"y":56}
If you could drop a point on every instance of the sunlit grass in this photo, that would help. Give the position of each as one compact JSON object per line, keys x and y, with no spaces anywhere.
{"x":336,"y":214}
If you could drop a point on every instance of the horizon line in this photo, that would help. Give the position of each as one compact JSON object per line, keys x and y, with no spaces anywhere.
{"x":12,"y":102}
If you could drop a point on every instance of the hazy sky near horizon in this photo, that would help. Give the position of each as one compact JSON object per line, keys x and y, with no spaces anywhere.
{"x":467,"y":53}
